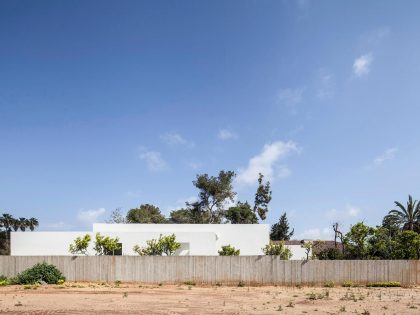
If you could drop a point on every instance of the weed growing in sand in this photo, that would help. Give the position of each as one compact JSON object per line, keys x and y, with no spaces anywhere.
{"x":280,"y":308}
{"x":342,"y":308}
{"x":290,"y":304}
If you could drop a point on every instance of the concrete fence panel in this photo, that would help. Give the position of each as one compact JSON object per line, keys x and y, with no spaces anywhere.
{"x":218,"y":269}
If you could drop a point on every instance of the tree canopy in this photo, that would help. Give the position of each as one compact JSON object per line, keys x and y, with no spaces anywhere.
{"x":146,"y":213}
{"x":280,"y":231}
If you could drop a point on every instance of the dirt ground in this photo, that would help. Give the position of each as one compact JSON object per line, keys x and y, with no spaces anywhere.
{"x":95,"y":298}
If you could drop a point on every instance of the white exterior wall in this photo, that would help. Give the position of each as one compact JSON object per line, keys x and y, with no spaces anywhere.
{"x":249,"y":238}
{"x":298,"y":253}
{"x":195,"y":239}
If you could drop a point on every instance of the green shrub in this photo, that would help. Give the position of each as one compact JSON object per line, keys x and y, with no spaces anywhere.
{"x":347,"y":284}
{"x":329,"y":284}
{"x":330,"y":254}
{"x":384,"y":284}
{"x":4,"y":282}
{"x":278,"y":249}
{"x":228,"y":250}
{"x":41,"y":272}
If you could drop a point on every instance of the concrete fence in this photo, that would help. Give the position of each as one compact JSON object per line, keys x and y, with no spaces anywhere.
{"x":258,"y":270}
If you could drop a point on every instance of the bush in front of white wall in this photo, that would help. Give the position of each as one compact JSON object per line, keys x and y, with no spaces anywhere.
{"x":229,"y":250}
{"x":164,"y":245}
{"x":80,"y":245}
{"x":278,"y":249}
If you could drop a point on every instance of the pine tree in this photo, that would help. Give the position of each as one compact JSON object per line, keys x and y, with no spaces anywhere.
{"x":280,"y":230}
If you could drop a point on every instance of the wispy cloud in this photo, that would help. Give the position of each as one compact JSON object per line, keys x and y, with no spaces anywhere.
{"x":267,"y":163}
{"x":375,"y":36}
{"x":389,"y":154}
{"x":195,"y":165}
{"x":153,"y":160}
{"x":290,"y":98}
{"x":91,"y":215}
{"x":325,"y":233}
{"x":226,"y":134}
{"x":348,"y":212}
{"x":174,"y":139}
{"x":326,"y":84}
{"x":361,"y":66}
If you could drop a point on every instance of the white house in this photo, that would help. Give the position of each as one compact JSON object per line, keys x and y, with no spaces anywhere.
{"x":195,"y":239}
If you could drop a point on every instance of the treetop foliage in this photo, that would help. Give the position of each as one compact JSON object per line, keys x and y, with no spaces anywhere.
{"x":280,"y":231}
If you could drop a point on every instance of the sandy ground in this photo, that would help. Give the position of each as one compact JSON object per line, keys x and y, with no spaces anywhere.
{"x":91,"y":298}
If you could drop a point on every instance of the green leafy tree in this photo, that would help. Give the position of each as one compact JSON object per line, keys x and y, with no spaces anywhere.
{"x":408,"y":245}
{"x":241,"y":214}
{"x":281,"y":230}
{"x":213,"y":194}
{"x":229,"y":250}
{"x":278,"y":249}
{"x":406,"y":216}
{"x":330,"y":254}
{"x":146,"y":213}
{"x":80,"y":245}
{"x":356,"y":241}
{"x":105,"y":245}
{"x":117,"y":217}
{"x":382,"y":243}
{"x":182,"y":216}
{"x":262,"y":198}
{"x":164,"y":245}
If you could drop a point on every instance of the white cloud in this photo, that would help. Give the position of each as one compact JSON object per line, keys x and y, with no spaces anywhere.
{"x":325,"y":233}
{"x":174,"y":139}
{"x":291,"y":98}
{"x":181,"y":203}
{"x":153,"y":159}
{"x":347,"y":213}
{"x":375,"y":36}
{"x":226,"y":134}
{"x":326,"y":85}
{"x":389,"y":154}
{"x":195,"y":165}
{"x":361,"y":65}
{"x":90,"y":216}
{"x":267,"y":163}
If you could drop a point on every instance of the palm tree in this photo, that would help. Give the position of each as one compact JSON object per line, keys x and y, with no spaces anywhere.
{"x":407,"y":216}
{"x":23,"y":224}
{"x":32,"y":223}
{"x":6,"y":221}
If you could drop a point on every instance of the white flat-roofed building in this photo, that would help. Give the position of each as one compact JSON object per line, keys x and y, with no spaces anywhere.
{"x":195,"y":239}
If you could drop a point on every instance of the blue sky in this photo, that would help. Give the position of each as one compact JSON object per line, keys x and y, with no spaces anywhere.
{"x":107,"y":104}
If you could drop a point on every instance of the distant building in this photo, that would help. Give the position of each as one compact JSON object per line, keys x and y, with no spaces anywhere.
{"x":195,"y":239}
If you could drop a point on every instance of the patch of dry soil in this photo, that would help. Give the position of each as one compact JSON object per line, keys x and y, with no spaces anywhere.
{"x":91,"y":298}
